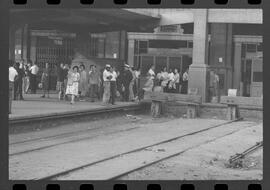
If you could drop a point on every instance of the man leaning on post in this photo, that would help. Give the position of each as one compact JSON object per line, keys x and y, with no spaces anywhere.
{"x":13,"y":75}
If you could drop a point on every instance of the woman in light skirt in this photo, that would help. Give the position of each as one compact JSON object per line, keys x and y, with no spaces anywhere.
{"x":73,"y":83}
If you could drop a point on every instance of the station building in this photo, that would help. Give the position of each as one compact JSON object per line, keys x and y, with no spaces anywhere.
{"x":226,"y":40}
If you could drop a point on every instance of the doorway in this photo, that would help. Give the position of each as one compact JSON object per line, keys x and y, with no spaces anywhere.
{"x":252,"y":77}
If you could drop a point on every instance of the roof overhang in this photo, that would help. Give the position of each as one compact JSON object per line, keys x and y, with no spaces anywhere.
{"x":90,"y":20}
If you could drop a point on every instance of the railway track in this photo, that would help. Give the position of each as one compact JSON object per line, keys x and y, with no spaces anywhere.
{"x":94,"y":166}
{"x":246,"y":152}
{"x":65,"y":135}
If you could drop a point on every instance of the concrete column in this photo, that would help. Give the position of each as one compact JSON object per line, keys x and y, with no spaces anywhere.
{"x":237,"y":66}
{"x":12,"y":31}
{"x":131,"y":45}
{"x":25,"y":43}
{"x":198,"y":70}
{"x":228,"y":56}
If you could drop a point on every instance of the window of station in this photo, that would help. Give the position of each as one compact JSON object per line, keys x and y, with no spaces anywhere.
{"x":168,"y":44}
{"x":169,"y":28}
{"x":260,"y":47}
{"x":105,"y":45}
{"x":251,"y":48}
{"x":140,"y":47}
{"x":112,"y":45}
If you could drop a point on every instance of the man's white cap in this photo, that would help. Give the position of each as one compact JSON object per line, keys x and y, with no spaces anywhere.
{"x":126,"y":65}
{"x":107,"y":65}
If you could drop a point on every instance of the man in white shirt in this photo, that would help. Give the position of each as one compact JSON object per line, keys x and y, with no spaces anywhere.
{"x":171,"y":81}
{"x":176,"y":80}
{"x":107,"y":76}
{"x":33,"y":81}
{"x":151,"y":72}
{"x":113,"y":85}
{"x":13,"y":74}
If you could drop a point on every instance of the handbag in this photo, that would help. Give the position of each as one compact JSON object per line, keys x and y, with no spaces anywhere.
{"x":40,"y":85}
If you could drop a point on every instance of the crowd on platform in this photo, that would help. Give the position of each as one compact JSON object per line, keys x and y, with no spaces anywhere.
{"x":164,"y":81}
{"x":106,"y":84}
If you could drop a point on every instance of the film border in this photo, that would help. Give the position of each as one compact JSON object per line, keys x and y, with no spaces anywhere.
{"x":5,"y":5}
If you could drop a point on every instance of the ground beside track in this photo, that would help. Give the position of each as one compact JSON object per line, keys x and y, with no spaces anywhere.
{"x":37,"y":164}
{"x":209,"y":161}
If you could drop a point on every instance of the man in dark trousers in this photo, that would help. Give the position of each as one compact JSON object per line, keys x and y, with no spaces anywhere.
{"x":34,"y":71}
{"x":127,"y":77}
{"x":19,"y":82}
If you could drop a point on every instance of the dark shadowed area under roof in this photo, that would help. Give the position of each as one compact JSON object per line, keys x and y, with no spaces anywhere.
{"x":92,"y":20}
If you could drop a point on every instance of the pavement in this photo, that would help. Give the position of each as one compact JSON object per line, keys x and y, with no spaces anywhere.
{"x":33,"y":105}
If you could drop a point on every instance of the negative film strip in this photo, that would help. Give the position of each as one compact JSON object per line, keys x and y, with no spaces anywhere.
{"x":133,"y":95}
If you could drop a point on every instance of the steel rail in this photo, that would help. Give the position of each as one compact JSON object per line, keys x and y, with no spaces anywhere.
{"x":246,"y":152}
{"x":131,"y":151}
{"x":165,"y":158}
{"x":70,"y":141}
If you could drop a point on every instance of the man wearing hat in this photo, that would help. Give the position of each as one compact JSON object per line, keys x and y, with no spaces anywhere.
{"x":127,"y":76}
{"x":107,"y":76}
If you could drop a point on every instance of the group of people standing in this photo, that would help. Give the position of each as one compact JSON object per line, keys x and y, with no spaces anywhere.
{"x":22,"y":78}
{"x":121,"y":84}
{"x":171,"y":82}
{"x":26,"y":78}
{"x":105,"y":84}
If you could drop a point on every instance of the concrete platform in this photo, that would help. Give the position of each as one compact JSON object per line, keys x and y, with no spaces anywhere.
{"x":34,"y":106}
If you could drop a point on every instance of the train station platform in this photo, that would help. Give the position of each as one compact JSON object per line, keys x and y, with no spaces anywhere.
{"x":35,"y":107}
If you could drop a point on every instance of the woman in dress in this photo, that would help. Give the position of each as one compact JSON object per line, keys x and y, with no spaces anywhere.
{"x":73,"y":83}
{"x":45,"y":80}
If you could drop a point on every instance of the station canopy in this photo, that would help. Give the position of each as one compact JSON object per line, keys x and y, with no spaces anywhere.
{"x":90,"y":20}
